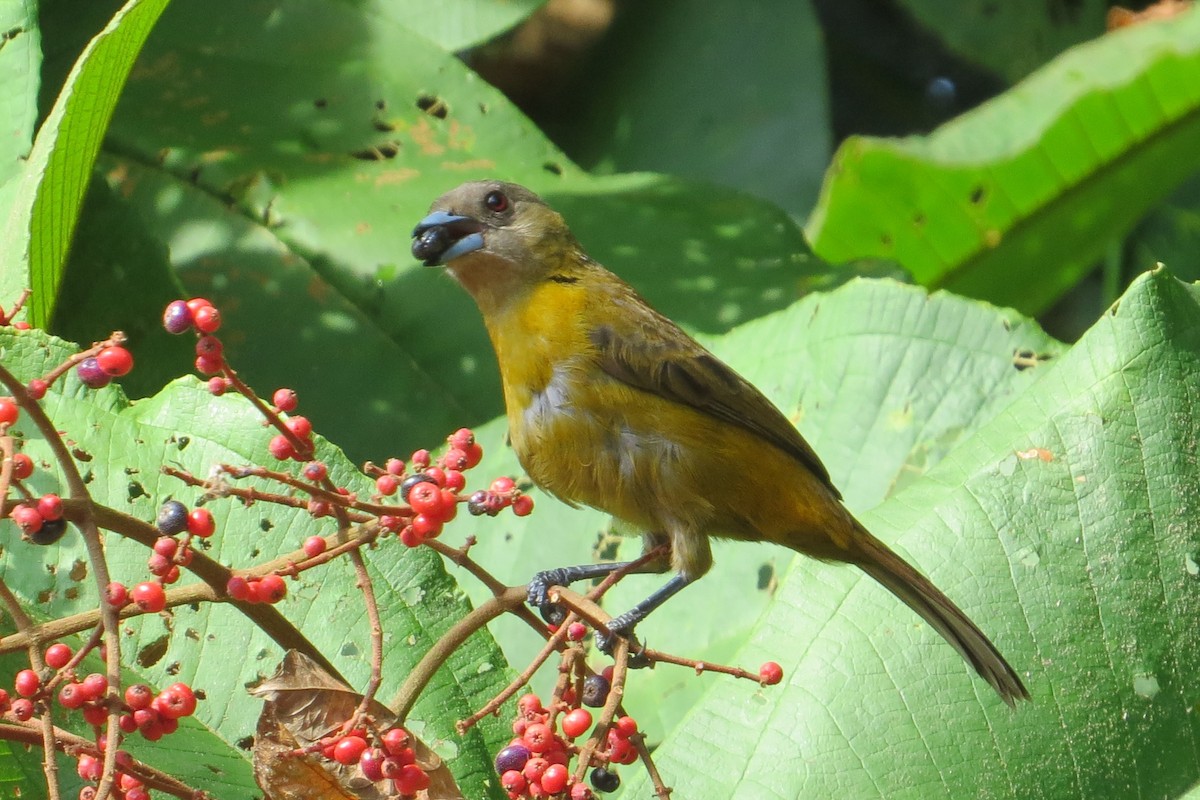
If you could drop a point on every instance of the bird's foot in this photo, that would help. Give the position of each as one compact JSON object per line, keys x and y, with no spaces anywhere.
{"x":622,"y":626}
{"x":538,"y":591}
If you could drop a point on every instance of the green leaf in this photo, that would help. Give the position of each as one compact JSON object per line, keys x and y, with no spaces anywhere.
{"x":1079,"y":561}
{"x":882,"y":379}
{"x":120,"y":448}
{"x":1015,"y":201}
{"x":292,"y":207}
{"x":46,"y":205}
{"x":741,"y":105}
{"x":1012,"y":38}
{"x":20,"y":59}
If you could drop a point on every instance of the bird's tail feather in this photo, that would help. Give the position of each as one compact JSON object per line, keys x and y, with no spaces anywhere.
{"x":919,"y":594}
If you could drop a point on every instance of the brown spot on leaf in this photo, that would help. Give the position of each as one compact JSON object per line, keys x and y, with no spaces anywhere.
{"x":152,"y":653}
{"x":433,"y":105}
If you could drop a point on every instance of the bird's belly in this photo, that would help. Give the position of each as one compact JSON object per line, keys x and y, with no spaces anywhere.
{"x":598,"y":450}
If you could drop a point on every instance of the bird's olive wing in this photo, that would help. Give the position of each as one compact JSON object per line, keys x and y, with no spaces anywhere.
{"x":654,"y":355}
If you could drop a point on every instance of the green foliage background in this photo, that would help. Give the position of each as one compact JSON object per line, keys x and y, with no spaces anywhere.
{"x":274,"y":157}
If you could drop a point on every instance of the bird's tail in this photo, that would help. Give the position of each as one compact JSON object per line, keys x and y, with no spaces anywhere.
{"x":919,"y":594}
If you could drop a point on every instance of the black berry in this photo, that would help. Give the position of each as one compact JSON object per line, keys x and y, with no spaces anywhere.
{"x":605,"y":781}
{"x":172,"y":518}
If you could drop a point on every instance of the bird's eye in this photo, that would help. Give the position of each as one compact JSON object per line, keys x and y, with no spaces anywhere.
{"x":496,"y":201}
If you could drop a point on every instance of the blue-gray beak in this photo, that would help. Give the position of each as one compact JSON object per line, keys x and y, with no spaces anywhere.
{"x":441,"y":238}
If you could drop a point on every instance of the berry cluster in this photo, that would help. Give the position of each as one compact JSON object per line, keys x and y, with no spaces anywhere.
{"x":41,"y":521}
{"x":502,"y":494}
{"x":391,"y":758}
{"x":154,"y":715}
{"x":535,"y":763}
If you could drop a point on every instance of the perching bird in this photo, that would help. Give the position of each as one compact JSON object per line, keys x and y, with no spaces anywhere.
{"x":611,"y":405}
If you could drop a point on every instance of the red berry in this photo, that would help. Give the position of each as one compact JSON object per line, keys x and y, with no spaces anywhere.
{"x":285,"y":400}
{"x":200,"y":523}
{"x":770,"y":674}
{"x":238,"y":588}
{"x":138,"y":696}
{"x":426,"y":498}
{"x":314,"y":546}
{"x":37,"y":388}
{"x":50,"y":506}
{"x":71,"y":696}
{"x":387,"y":485}
{"x":209,"y":347}
{"x":394,"y":466}
{"x":455,"y":459}
{"x":461,"y":438}
{"x":625,"y":727}
{"x":576,"y":631}
{"x":22,"y":709}
{"x":349,"y":750}
{"x":580,"y":791}
{"x":538,"y":737}
{"x":27,"y":683}
{"x":206,"y":319}
{"x":89,"y":767}
{"x":94,"y":686}
{"x":137,"y":793}
{"x":420,"y":459}
{"x":474,"y":454}
{"x":522,"y":506}
{"x":95,"y":714}
{"x":269,"y":589}
{"x":57,"y":655}
{"x":27,"y":518}
{"x":218,"y":386}
{"x":315,"y":471}
{"x":529,"y":705}
{"x":300,"y":426}
{"x":534,"y":769}
{"x":410,"y":538}
{"x":503,"y":485}
{"x":209,"y":365}
{"x":9,"y":411}
{"x":115,"y":360}
{"x":280,"y":447}
{"x":22,"y":466}
{"x":149,"y":597}
{"x":177,"y":700}
{"x":554,"y":779}
{"x":395,"y":741}
{"x":455,"y":480}
{"x":577,"y":722}
{"x":116,"y":594}
{"x":177,"y":317}
{"x":371,"y":764}
{"x":426,"y":527}
{"x":411,"y":780}
{"x":513,"y":782}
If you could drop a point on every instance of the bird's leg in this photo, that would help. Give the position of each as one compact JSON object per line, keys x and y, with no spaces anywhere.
{"x":623,"y":625}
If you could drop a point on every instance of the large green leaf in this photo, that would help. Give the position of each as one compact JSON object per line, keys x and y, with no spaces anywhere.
{"x":1079,"y":559}
{"x":121,"y":448}
{"x":1014,"y":201}
{"x":456,"y":24}
{"x":286,"y":200}
{"x":45,"y":205}
{"x":20,"y":58}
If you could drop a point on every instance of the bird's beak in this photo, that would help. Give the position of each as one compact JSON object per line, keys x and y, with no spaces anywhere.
{"x":441,"y":238}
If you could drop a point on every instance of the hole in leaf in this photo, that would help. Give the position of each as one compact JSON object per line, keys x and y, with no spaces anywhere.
{"x":977,"y":195}
{"x":152,"y":653}
{"x":433,"y":105}
{"x":553,"y":168}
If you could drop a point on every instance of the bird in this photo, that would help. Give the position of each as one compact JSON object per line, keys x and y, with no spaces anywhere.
{"x":611,"y":405}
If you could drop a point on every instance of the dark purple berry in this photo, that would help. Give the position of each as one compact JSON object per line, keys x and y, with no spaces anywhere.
{"x":605,"y":781}
{"x":172,"y":518}
{"x":92,"y":374}
{"x":51,"y":531}
{"x":595,"y":691}
{"x":512,"y":757}
{"x":177,"y":317}
{"x":477,"y":506}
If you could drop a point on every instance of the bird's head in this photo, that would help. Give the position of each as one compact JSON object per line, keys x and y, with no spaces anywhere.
{"x":495,"y":238}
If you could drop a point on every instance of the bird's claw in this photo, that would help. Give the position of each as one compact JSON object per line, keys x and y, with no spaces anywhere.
{"x":537,"y":592}
{"x":622,"y":626}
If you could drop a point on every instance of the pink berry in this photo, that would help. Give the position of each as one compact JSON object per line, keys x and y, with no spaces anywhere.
{"x":37,"y":388}
{"x":206,"y":319}
{"x":50,"y":506}
{"x":314,"y":546}
{"x":280,"y":447}
{"x":522,"y":506}
{"x":116,"y":594}
{"x":269,"y":589}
